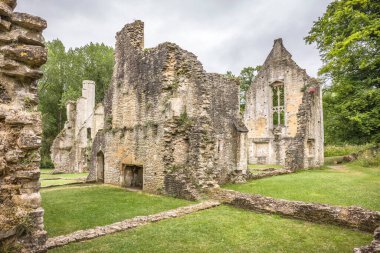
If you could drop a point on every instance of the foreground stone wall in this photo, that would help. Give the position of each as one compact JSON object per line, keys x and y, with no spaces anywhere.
{"x":373,"y":247}
{"x":70,"y":150}
{"x":284,"y":114}
{"x":166,"y":115}
{"x":352,"y":217}
{"x":22,"y":52}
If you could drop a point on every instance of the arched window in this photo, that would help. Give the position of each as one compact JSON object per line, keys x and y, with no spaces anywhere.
{"x":278,"y":109}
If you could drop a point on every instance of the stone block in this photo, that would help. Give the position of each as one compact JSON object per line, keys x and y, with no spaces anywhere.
{"x":10,"y":3}
{"x":26,"y":36}
{"x":28,"y":200}
{"x":33,"y":56}
{"x":29,"y":21}
{"x":12,"y":156}
{"x":5,"y":26}
{"x":5,"y":10}
{"x":28,"y":140}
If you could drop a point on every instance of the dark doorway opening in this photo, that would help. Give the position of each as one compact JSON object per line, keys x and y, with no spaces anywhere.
{"x":133,"y":176}
{"x":100,"y":167}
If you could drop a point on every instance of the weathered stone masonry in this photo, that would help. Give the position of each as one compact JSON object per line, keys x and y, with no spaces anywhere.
{"x":170,"y":127}
{"x":352,"y":216}
{"x":70,"y":150}
{"x":22,"y":52}
{"x":284,"y":114}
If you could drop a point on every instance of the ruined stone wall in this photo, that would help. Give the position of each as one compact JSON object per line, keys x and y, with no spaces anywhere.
{"x":351,"y":216}
{"x":165,"y":113}
{"x":22,"y":52}
{"x":70,"y":150}
{"x":268,"y":142}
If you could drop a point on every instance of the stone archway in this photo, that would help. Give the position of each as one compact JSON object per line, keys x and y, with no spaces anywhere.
{"x":100,"y":167}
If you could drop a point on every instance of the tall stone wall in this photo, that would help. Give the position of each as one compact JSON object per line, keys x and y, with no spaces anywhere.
{"x":284,"y":114}
{"x":22,"y":52}
{"x":70,"y":150}
{"x":164,"y":113}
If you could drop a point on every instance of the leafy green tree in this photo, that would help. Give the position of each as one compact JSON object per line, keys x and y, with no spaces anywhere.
{"x":50,"y":90}
{"x":62,"y":81}
{"x":246,"y":78}
{"x":348,"y":38}
{"x":91,"y":62}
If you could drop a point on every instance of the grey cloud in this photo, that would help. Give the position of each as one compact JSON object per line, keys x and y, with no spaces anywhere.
{"x":225,"y":34}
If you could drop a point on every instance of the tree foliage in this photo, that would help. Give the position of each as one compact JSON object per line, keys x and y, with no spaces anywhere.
{"x":348,"y":38}
{"x":246,"y":78}
{"x":62,"y":81}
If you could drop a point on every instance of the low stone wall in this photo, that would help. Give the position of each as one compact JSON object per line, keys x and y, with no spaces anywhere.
{"x":373,"y":247}
{"x":352,"y":217}
{"x":271,"y":173}
{"x":92,"y":233}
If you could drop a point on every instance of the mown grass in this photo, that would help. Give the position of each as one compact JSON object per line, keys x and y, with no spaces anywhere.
{"x":347,"y":185}
{"x":45,"y":183}
{"x":71,"y":209}
{"x":64,"y":176}
{"x":226,"y":229}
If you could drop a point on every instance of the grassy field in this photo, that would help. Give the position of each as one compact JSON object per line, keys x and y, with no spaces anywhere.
{"x":73,"y":208}
{"x":64,"y":176}
{"x":350,"y":184}
{"x":45,"y":183}
{"x":332,"y":150}
{"x":226,"y":229}
{"x":48,"y":179}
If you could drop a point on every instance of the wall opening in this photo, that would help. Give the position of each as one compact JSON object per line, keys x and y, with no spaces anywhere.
{"x":133,"y":176}
{"x":278,"y":102}
{"x":88,"y":133}
{"x":100,"y":167}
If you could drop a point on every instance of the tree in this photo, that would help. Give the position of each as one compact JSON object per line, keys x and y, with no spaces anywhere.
{"x":62,"y":81}
{"x":50,"y":90}
{"x":246,"y":78}
{"x":348,"y":38}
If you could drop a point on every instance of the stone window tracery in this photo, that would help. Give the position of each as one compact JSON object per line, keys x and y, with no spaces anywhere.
{"x":278,"y":109}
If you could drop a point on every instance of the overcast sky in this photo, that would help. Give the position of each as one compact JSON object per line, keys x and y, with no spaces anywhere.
{"x":224,"y":34}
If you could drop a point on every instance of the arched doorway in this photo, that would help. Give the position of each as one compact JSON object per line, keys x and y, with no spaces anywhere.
{"x":100,"y":167}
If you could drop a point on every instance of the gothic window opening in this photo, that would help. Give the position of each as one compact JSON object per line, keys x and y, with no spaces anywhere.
{"x":278,"y":108}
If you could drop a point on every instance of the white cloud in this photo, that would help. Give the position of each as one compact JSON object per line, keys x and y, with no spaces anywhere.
{"x":224,"y":34}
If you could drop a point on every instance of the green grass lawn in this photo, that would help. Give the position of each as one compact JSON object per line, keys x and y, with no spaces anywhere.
{"x":70,"y":209}
{"x":226,"y":229}
{"x":353,"y":185}
{"x":64,"y":176}
{"x":45,"y":183}
{"x":46,"y":170}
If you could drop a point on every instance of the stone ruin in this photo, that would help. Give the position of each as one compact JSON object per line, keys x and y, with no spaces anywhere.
{"x":169,"y":126}
{"x":284,"y":114}
{"x":70,"y":149}
{"x":22,"y":52}
{"x":166,"y":127}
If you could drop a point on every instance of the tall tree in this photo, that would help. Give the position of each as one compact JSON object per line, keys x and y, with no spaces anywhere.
{"x":348,"y":38}
{"x":50,"y":90}
{"x":62,"y":81}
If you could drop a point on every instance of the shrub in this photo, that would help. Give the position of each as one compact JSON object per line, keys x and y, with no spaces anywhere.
{"x":46,"y":162}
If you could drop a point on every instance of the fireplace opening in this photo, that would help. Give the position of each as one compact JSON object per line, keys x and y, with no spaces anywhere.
{"x":133,"y":176}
